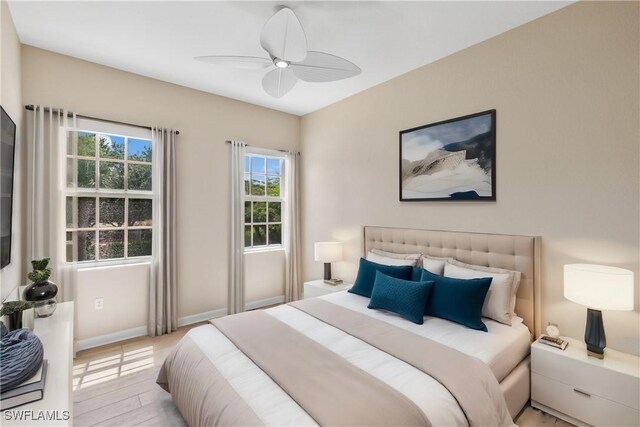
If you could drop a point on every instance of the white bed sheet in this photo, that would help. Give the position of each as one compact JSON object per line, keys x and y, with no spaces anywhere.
{"x":501,"y":348}
{"x":269,"y":402}
{"x":275,"y":407}
{"x":425,"y":392}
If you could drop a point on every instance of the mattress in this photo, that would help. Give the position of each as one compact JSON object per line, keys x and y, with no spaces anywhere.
{"x":230,"y":385}
{"x":501,"y":348}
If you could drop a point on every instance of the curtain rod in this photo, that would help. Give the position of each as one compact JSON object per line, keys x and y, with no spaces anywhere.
{"x":275,"y":149}
{"x":30,"y":107}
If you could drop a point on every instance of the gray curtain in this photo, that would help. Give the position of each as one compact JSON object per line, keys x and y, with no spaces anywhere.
{"x":46,"y":187}
{"x":236,"y":254}
{"x":293,"y":282}
{"x":163,"y":308}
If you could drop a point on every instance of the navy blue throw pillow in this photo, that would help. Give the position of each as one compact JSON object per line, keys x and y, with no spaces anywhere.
{"x":404,"y":297}
{"x":458,"y":300}
{"x":367,"y":275}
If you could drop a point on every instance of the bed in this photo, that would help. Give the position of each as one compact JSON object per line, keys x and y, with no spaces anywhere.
{"x":332,"y":361}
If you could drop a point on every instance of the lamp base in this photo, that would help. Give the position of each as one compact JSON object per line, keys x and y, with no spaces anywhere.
{"x":327,"y":271}
{"x":594,"y":335}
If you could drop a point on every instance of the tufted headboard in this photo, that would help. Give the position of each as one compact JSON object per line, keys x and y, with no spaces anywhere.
{"x":520,"y":253}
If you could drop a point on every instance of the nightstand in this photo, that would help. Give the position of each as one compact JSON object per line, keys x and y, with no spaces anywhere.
{"x":580,"y":389}
{"x":316,"y":288}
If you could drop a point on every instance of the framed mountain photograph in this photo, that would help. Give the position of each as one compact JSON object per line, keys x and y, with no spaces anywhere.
{"x":450,"y":160}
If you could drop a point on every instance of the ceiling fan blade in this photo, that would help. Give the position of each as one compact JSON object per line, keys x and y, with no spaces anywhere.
{"x":245,"y":62}
{"x":278,"y":82}
{"x":283,"y":37}
{"x":324,"y":67}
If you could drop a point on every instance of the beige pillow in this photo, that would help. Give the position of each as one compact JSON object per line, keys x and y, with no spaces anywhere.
{"x":434,"y":264}
{"x":517,"y":276}
{"x":497,"y":304}
{"x":379,"y":259}
{"x":396,"y":255}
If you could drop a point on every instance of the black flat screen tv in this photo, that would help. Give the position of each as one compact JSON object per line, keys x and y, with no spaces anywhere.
{"x":7,"y":154}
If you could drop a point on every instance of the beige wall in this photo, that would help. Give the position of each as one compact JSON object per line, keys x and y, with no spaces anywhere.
{"x":264,"y":275}
{"x":566,"y":90}
{"x":11,"y":99}
{"x":125,"y":288}
{"x":125,"y":307}
{"x":205,"y":121}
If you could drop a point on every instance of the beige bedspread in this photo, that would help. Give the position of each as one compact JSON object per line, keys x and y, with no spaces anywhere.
{"x":330,"y":389}
{"x":469,"y":380}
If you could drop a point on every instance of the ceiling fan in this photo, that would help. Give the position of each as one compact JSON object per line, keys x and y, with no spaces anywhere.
{"x":284,"y":40}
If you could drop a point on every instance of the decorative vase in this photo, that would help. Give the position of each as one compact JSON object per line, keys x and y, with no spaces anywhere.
{"x":42,"y":296}
{"x":14,"y":321}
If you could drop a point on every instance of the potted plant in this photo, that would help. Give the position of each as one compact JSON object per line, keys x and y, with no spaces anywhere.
{"x":41,"y":292}
{"x":13,"y":310}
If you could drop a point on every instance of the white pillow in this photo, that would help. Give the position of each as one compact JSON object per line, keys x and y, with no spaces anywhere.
{"x":497,"y":304}
{"x":396,"y":255}
{"x":434,"y":264}
{"x":516,"y":278}
{"x":379,"y":259}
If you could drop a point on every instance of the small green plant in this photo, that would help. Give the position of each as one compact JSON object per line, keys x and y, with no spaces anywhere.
{"x":12,"y":307}
{"x":40,"y":271}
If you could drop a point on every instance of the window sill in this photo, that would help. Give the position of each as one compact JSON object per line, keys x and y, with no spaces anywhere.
{"x":264,"y":249}
{"x":89,"y":265}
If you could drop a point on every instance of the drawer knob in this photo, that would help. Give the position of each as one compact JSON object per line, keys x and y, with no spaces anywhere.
{"x":582,"y":392}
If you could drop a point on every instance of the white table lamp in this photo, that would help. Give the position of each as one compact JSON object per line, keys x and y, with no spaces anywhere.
{"x":328,"y":252}
{"x":599,"y":288}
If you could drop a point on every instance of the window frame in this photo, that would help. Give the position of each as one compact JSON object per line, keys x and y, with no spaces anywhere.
{"x":266,"y":154}
{"x":73,"y":191}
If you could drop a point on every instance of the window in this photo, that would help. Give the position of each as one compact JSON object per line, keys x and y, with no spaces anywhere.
{"x":263,"y":201}
{"x":109,"y":199}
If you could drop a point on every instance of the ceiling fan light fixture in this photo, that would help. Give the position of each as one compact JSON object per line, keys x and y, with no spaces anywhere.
{"x":283,"y":38}
{"x":280,"y":63}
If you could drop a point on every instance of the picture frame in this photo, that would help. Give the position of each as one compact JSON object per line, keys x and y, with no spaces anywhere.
{"x":453,"y":159}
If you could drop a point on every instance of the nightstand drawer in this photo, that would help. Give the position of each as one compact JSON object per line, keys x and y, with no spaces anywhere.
{"x":589,"y":377}
{"x":591,"y":409}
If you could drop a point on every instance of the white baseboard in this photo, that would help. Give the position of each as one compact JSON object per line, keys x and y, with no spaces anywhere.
{"x":207,"y":315}
{"x":182,"y":321}
{"x":264,"y":302}
{"x":111,"y":338}
{"x":201,"y":317}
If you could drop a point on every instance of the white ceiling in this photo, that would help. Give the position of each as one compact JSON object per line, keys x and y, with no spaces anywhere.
{"x":159,"y":39}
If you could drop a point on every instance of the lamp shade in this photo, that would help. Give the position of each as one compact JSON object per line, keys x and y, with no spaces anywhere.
{"x":328,"y":251}
{"x":598,"y":286}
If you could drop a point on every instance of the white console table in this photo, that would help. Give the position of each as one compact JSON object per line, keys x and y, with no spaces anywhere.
{"x":56,"y":334}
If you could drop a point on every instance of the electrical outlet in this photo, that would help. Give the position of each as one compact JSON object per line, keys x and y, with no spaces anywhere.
{"x":99,"y":303}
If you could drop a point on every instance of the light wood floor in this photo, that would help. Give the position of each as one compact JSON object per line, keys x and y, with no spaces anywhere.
{"x":115,"y":385}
